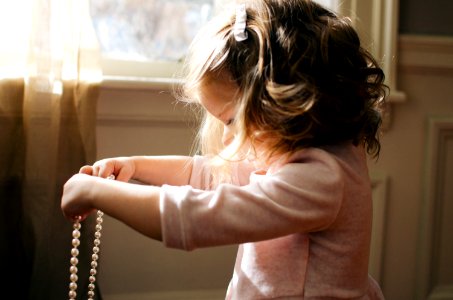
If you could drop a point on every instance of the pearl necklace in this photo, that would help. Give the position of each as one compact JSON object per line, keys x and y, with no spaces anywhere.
{"x":94,"y":257}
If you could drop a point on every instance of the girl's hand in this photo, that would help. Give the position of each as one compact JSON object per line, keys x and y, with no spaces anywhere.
{"x":122,"y":167}
{"x":77,"y":196}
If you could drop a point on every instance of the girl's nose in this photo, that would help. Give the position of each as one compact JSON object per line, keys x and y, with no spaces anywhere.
{"x":228,"y":135}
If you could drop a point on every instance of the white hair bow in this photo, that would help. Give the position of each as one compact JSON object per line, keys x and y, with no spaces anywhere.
{"x":239,"y":26}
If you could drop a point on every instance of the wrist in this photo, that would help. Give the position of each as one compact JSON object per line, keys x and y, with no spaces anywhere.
{"x":103,"y":192}
{"x":134,"y":165}
{"x":140,"y":166}
{"x":95,"y":192}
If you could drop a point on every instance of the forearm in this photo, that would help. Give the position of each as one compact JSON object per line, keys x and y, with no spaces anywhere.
{"x":159,"y":170}
{"x":135,"y":205}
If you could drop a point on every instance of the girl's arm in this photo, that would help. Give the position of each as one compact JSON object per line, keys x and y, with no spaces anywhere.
{"x":135,"y":205}
{"x":153,"y":170}
{"x":158,"y":170}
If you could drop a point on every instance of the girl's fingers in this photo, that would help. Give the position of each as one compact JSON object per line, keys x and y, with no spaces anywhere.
{"x":95,"y":170}
{"x":86,"y":170}
{"x":79,"y":218}
{"x":105,"y":170}
{"x":123,"y":175}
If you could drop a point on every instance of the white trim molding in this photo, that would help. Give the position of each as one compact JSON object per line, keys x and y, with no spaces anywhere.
{"x":139,"y":83}
{"x":436,"y":217}
{"x":377,"y":24}
{"x":426,"y":54}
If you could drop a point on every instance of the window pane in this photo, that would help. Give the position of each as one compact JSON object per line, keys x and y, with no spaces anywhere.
{"x":332,"y":4}
{"x":148,"y":30}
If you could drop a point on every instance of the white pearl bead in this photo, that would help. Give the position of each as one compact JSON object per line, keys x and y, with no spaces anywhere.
{"x":77,"y":226}
{"x":98,"y":227}
{"x":90,"y":294}
{"x":91,"y":286}
{"x":75,"y":242}
{"x":95,"y":249}
{"x":97,"y":234}
{"x":93,"y":272}
{"x":74,"y":251}
{"x":73,"y":269}
{"x":76,"y":233}
{"x":73,"y":277}
{"x":97,"y":242}
{"x":94,"y":257}
{"x":92,"y":279}
{"x":94,"y":264}
{"x":74,"y":261}
{"x":73,"y":286}
{"x":72,"y":294}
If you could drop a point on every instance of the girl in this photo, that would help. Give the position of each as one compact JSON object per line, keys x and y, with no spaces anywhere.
{"x":291,"y":104}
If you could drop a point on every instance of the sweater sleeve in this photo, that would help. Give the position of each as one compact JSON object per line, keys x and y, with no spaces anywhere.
{"x":302,"y":196}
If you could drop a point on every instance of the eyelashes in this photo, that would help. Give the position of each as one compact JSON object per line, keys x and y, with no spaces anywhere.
{"x":229,"y":122}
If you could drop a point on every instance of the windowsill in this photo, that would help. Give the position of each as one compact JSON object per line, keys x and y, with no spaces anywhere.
{"x":397,"y":97}
{"x":139,"y":83}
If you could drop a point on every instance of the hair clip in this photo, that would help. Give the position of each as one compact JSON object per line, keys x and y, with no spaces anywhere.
{"x":239,"y":26}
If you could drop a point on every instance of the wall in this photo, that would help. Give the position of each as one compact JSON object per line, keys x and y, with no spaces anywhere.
{"x":423,"y":17}
{"x":412,"y":175}
{"x":426,"y":73}
{"x":416,"y":156}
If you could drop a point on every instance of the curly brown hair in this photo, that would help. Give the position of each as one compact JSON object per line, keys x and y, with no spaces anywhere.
{"x":303,"y":77}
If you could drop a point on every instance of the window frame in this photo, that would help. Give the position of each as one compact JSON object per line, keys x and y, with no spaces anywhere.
{"x":377,"y":24}
{"x":142,"y":75}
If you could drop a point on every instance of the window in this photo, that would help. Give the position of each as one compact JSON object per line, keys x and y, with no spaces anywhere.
{"x":332,"y":4}
{"x":148,"y":38}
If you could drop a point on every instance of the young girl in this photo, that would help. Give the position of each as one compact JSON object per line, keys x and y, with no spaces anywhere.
{"x":291,"y":104}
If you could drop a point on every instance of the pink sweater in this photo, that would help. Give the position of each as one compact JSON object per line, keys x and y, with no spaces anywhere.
{"x":303,"y":226}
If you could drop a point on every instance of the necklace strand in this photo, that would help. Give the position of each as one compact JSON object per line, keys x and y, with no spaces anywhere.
{"x":94,"y":257}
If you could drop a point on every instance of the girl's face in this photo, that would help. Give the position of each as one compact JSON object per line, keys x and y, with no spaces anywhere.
{"x":218,"y":98}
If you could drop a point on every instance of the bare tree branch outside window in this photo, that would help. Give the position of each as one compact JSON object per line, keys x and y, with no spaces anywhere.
{"x":148,"y":30}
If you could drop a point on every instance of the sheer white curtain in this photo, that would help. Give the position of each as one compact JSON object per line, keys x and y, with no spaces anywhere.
{"x":49,"y":81}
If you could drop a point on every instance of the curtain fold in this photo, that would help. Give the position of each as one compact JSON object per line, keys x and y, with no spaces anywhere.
{"x":48,"y":95}
{"x":11,"y":177}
